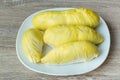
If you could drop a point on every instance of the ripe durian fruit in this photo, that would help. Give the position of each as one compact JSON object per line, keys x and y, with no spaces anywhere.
{"x":32,"y":43}
{"x":77,"y":16}
{"x":59,"y":35}
{"x":74,"y":51}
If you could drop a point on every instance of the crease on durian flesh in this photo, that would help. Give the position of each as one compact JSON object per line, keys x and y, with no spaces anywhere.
{"x":59,"y":35}
{"x":77,"y":16}
{"x":71,"y":53}
{"x":32,"y":43}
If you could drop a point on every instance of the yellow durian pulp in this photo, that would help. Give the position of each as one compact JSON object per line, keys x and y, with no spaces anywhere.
{"x":59,"y":35}
{"x":78,"y":16}
{"x":70,"y":52}
{"x":32,"y":43}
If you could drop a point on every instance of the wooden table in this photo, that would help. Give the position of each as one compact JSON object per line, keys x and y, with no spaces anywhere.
{"x":12,"y":14}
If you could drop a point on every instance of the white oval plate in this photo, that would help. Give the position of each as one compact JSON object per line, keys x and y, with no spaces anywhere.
{"x":67,"y":69}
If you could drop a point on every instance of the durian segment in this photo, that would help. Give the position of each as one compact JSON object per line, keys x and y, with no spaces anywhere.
{"x":70,"y":52}
{"x":32,"y":43}
{"x":78,"y":16}
{"x":59,"y":35}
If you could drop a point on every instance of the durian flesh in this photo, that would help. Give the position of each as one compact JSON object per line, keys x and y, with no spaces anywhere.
{"x":78,"y":16}
{"x":32,"y":43}
{"x":59,"y":35}
{"x":70,"y":52}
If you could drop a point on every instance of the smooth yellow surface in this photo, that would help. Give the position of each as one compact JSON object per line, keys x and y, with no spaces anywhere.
{"x":32,"y":43}
{"x":78,"y":16}
{"x":81,"y":50}
{"x":59,"y":35}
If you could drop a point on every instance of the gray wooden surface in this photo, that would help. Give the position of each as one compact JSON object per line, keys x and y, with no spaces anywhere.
{"x":12,"y":14}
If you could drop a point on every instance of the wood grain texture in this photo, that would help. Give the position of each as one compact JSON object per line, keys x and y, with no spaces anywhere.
{"x":12,"y":14}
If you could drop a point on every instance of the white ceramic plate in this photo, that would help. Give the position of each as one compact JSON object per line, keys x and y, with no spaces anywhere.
{"x":68,"y":69}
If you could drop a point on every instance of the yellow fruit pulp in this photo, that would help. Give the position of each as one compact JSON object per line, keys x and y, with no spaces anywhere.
{"x":59,"y":35}
{"x":78,"y":16}
{"x":32,"y":43}
{"x":81,"y":50}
